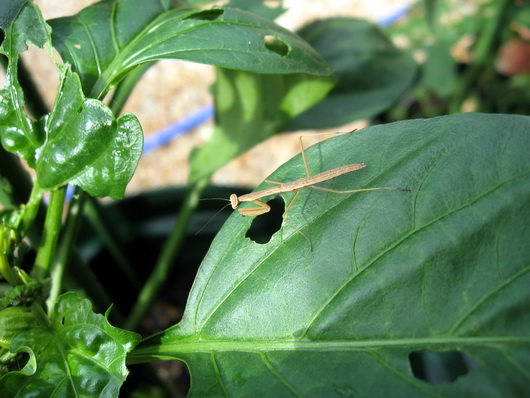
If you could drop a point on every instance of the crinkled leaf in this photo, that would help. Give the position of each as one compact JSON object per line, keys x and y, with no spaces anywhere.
{"x":250,"y":108}
{"x":12,"y":321}
{"x":77,"y":354}
{"x":372,"y":73}
{"x":442,"y":267}
{"x":112,"y":172}
{"x":109,"y":38}
{"x":85,"y":143}
{"x":17,"y":132}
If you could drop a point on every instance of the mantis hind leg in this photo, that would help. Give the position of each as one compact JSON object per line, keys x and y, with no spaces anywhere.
{"x":354,"y":190}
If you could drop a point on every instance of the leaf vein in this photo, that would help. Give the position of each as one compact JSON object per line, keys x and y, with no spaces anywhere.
{"x":484,"y":299}
{"x":389,"y":249}
{"x":277,"y":374}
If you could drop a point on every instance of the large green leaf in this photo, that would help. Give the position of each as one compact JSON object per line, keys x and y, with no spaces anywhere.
{"x":77,"y":354}
{"x":109,"y":38}
{"x":250,"y":108}
{"x":372,"y":73}
{"x":442,"y":267}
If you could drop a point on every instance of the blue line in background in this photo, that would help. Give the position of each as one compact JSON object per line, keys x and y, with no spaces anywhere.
{"x":180,"y":127}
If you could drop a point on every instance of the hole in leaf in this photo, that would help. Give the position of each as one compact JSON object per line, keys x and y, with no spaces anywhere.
{"x":437,"y":367}
{"x":276,"y":45}
{"x":207,"y":15}
{"x":16,"y":362}
{"x":265,"y":225}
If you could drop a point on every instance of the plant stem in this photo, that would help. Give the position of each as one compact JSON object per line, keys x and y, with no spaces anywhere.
{"x":108,"y":234}
{"x":8,"y":273}
{"x":71,"y":230}
{"x":168,"y":255}
{"x":485,"y":48}
{"x":126,"y":86}
{"x":50,"y":237}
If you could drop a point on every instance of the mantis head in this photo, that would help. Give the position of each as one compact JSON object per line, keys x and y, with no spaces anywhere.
{"x":234,"y":201}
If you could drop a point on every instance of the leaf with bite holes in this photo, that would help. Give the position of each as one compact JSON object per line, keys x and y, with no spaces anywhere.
{"x":141,"y":32}
{"x":442,"y":267}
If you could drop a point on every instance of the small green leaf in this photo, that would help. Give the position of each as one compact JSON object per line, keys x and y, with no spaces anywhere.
{"x":112,"y":172}
{"x":444,"y":266}
{"x":250,"y":108}
{"x":77,"y":354}
{"x":86,"y":144}
{"x":372,"y":73}
{"x":140,"y":33}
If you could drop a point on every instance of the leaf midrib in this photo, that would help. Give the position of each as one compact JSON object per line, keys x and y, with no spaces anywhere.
{"x":195,"y":345}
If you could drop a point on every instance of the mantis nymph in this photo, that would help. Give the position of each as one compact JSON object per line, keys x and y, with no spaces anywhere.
{"x":296,"y":186}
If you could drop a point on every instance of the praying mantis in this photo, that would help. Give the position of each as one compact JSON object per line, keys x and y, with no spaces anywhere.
{"x":308,"y":182}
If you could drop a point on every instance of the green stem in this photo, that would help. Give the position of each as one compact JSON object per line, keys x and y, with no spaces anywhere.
{"x":71,"y":230}
{"x":30,"y":211}
{"x":52,"y":229}
{"x":126,"y":86}
{"x":168,"y":255}
{"x":108,"y":234}
{"x":484,"y":50}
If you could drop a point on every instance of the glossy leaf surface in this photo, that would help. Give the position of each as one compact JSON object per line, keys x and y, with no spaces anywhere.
{"x":109,"y":38}
{"x":444,"y":266}
{"x":13,"y":320}
{"x":78,"y":354}
{"x":87,"y":145}
{"x":17,"y":132}
{"x":372,"y":73}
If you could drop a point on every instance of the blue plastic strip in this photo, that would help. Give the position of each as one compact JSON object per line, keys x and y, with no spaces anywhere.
{"x":168,"y":133}
{"x":396,"y":16}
